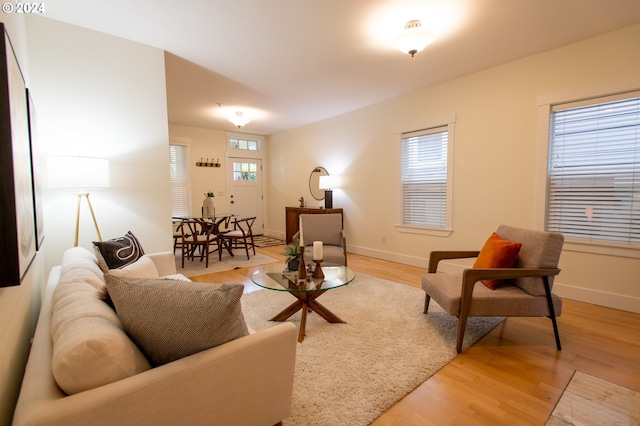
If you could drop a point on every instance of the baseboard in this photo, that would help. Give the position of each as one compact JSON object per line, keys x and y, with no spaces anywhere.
{"x":597,"y":297}
{"x":390,"y":256}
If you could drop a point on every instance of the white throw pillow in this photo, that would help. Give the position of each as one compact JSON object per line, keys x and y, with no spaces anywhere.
{"x":141,"y":268}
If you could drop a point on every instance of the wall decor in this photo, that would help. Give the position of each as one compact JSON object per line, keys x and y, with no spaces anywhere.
{"x":17,"y":223}
{"x":37,"y":172}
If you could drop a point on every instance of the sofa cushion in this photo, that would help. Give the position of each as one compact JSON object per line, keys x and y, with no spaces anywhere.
{"x":171,"y":319}
{"x":141,"y":268}
{"x":497,"y":253}
{"x":118,"y":252}
{"x":90,"y":347}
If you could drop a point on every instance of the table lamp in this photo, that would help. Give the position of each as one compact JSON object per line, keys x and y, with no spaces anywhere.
{"x":79,"y":173}
{"x":328,"y":183}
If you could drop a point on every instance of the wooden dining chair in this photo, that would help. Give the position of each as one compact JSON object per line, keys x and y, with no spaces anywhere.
{"x":198,"y":235}
{"x":241,"y":235}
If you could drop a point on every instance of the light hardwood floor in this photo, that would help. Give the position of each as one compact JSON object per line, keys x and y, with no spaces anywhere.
{"x":514,"y":375}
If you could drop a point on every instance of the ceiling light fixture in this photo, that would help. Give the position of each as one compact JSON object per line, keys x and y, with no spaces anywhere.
{"x":413,"y":38}
{"x":239,"y":119}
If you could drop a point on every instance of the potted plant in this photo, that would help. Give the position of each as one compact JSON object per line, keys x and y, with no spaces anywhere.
{"x":292,"y":251}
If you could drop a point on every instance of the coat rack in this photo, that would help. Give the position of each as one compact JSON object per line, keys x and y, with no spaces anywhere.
{"x":208,"y":163}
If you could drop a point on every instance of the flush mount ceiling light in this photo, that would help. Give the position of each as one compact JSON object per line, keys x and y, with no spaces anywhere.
{"x":413,"y":38}
{"x":239,"y":119}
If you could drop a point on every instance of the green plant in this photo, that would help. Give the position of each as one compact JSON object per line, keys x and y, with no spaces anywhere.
{"x":209,"y":194}
{"x":292,"y":251}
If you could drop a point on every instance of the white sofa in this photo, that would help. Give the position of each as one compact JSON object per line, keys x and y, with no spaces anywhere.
{"x":246,"y":381}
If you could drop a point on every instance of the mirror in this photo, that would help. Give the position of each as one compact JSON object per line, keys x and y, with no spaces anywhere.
{"x":314,"y":182}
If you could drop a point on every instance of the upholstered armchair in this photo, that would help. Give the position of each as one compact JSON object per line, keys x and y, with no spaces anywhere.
{"x":522,"y":288}
{"x":328,"y":229}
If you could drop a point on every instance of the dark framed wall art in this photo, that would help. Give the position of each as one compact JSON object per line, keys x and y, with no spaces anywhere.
{"x":17,"y":222}
{"x":37,"y":172}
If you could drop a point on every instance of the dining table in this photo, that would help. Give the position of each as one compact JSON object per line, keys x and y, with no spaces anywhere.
{"x":218,"y":225}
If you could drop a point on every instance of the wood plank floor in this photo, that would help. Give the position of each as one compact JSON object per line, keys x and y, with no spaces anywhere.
{"x":514,"y":375}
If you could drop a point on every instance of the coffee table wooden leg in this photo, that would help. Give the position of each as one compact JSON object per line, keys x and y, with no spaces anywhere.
{"x":306,"y":302}
{"x":303,"y":323}
{"x":288,"y":311}
{"x":324,"y":312}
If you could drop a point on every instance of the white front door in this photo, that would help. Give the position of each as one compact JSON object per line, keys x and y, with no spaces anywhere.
{"x":245,"y":190}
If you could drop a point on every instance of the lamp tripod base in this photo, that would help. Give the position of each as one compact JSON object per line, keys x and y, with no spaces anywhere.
{"x":93,"y":216}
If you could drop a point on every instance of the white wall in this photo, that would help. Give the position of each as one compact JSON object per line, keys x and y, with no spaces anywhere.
{"x":211,"y":144}
{"x":102,"y":96}
{"x":495,"y":163}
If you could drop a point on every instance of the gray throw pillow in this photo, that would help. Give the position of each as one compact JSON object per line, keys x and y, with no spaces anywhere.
{"x":171,"y":319}
{"x":118,"y":252}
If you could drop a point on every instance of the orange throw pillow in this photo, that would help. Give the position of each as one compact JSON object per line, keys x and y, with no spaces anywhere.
{"x":497,"y":253}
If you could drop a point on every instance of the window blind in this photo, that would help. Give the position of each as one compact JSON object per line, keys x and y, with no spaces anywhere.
{"x":424,"y":178}
{"x":180,"y":182}
{"x":594,"y":171}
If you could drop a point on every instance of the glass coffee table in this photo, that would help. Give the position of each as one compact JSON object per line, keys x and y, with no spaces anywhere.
{"x":273,"y":277}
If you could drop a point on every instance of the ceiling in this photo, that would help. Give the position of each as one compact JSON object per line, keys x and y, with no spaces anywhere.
{"x":288,"y":63}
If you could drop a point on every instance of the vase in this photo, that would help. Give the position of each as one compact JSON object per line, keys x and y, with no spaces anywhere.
{"x":293,"y":264}
{"x":208,"y":208}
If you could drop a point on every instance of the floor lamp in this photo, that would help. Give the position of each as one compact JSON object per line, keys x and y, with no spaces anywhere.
{"x":79,"y":173}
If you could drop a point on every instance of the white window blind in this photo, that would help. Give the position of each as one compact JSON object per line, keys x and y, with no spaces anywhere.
{"x":594,"y":171}
{"x":424,"y":178}
{"x":180,"y":182}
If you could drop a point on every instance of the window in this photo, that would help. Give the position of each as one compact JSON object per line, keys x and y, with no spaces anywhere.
{"x":593,"y":182}
{"x":180,"y":182}
{"x":425,"y":179}
{"x":245,"y":171}
{"x":244,"y":144}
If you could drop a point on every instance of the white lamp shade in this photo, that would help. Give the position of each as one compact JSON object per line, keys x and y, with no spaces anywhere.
{"x":78,"y":172}
{"x":329,"y":182}
{"x":239,"y":119}
{"x":413,"y":39}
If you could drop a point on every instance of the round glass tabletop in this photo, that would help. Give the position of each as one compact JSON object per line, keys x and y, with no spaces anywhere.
{"x":275,"y":276}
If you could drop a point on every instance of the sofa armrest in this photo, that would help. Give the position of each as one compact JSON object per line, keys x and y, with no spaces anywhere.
{"x":165,"y":263}
{"x":245,"y":381}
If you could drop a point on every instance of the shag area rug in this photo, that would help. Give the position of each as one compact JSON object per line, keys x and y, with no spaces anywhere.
{"x":588,"y":400}
{"x":194,"y":267}
{"x":349,"y":374}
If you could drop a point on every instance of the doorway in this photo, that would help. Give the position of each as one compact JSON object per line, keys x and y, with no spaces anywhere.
{"x":245,"y":190}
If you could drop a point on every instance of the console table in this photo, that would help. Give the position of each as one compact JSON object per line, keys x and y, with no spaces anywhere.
{"x":293,"y":218}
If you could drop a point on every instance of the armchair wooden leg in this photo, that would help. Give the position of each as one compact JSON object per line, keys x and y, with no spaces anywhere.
{"x":552,"y":312}
{"x":427,"y":299}
{"x":462,"y":325}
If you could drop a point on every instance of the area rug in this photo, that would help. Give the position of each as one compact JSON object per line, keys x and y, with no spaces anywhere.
{"x":349,"y":374}
{"x":588,"y":400}
{"x":195,"y":267}
{"x":267,"y":241}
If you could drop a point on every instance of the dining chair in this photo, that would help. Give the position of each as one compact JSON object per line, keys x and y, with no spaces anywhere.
{"x":241,"y":235}
{"x":177,"y":235}
{"x":198,"y":235}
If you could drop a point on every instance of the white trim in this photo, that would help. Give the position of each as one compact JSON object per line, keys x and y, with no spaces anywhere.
{"x":598,"y":297}
{"x":437,"y":232}
{"x":428,"y":123}
{"x":588,"y":92}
